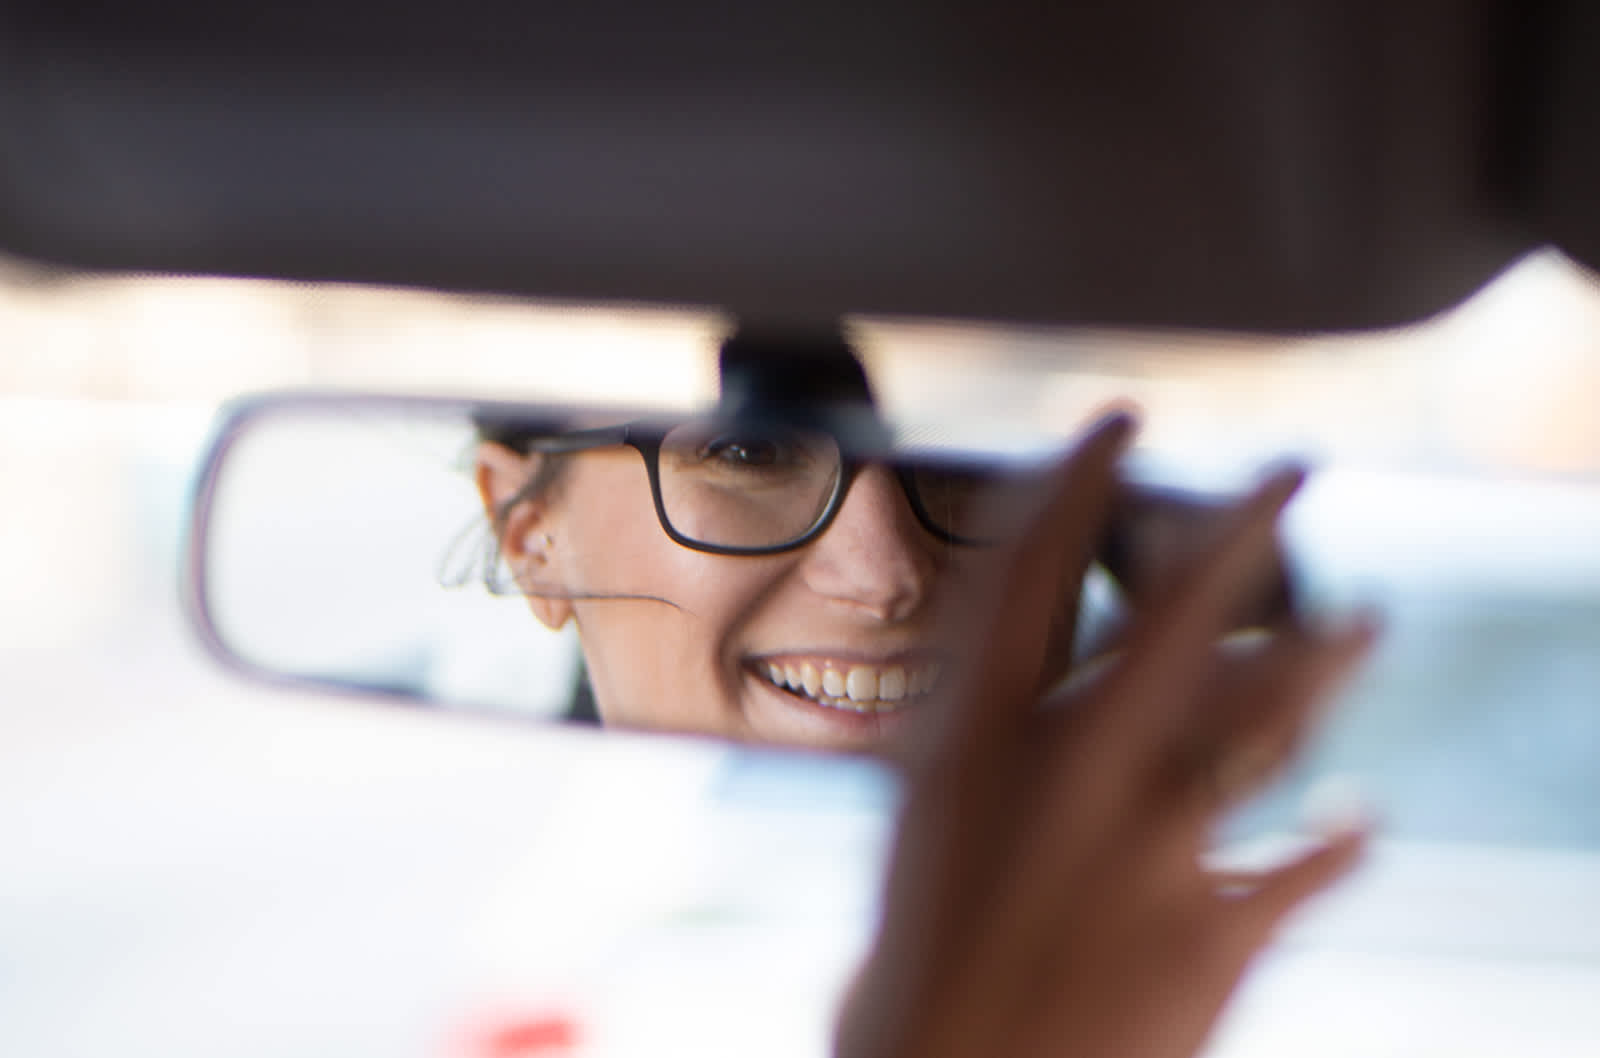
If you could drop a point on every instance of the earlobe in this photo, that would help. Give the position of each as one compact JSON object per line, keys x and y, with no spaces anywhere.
{"x":553,"y":613}
{"x":524,"y":528}
{"x":538,"y":572}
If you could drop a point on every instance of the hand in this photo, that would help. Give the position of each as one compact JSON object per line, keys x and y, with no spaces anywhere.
{"x":1153,"y":534}
{"x":1150,"y":536}
{"x":1046,"y":895}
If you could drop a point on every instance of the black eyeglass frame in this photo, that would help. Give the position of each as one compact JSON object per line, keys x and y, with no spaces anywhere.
{"x":645,"y":438}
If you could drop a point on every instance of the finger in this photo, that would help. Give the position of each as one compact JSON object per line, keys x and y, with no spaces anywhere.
{"x":1171,"y":649}
{"x":1226,"y":768}
{"x":1111,"y":773}
{"x":1279,"y":892}
{"x":1301,"y":672}
{"x":1156,"y":533}
{"x":1229,"y":883}
{"x":1295,"y":688}
{"x":953,"y":831}
{"x":1004,"y":624}
{"x":1269,"y":701}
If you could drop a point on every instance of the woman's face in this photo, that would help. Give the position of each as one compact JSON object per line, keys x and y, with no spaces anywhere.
{"x":830,"y":645}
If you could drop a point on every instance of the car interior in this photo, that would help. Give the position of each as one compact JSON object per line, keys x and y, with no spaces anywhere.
{"x":942,"y":235}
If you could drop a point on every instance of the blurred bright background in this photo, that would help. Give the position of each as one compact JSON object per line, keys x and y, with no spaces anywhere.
{"x":1460,"y":490}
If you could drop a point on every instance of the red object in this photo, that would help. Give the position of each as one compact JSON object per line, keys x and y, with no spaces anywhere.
{"x":549,"y":1034}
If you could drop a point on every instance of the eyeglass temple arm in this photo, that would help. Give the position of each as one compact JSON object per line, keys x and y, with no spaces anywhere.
{"x":561,"y":444}
{"x":579,"y":440}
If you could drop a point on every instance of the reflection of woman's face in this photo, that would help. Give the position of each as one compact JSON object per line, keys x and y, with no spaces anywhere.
{"x":847,"y":619}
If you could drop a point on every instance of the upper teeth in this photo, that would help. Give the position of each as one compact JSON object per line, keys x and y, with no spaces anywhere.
{"x":860,"y":687}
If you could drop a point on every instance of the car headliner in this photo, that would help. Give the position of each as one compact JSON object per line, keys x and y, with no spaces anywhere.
{"x":1276,"y":165}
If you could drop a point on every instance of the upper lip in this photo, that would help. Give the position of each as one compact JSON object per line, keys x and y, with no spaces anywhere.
{"x":853,"y":656}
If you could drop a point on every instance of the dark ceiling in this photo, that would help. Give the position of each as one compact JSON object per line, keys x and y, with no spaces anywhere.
{"x":1278,"y":165}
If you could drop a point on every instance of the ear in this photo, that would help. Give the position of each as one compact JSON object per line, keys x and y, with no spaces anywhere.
{"x":527,"y":528}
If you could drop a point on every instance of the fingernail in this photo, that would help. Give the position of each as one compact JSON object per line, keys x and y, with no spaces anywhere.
{"x":1284,"y":479}
{"x":1119,"y":425}
{"x":1361,"y":626}
{"x":1335,"y":806}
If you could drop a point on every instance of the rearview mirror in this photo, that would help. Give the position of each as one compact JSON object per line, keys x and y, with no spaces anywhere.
{"x":446,"y":551}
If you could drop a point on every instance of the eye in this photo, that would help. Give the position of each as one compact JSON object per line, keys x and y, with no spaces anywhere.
{"x":748,"y":451}
{"x":748,"y":454}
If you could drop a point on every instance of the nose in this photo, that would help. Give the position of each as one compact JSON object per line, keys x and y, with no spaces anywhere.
{"x":874,"y":558}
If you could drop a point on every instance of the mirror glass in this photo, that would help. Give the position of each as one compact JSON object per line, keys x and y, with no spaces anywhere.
{"x":723,"y":566}
{"x":342,"y":541}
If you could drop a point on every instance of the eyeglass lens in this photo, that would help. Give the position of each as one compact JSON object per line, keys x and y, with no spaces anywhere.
{"x":747,"y":487}
{"x":761,"y":486}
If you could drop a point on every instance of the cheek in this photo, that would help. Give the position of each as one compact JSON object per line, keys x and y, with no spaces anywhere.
{"x":664,"y":636}
{"x":616,"y":546}
{"x":690,"y":609}
{"x":673,"y":660}
{"x":609,"y":537}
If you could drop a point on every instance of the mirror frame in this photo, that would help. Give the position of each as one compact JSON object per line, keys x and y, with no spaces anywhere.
{"x":233,"y":420}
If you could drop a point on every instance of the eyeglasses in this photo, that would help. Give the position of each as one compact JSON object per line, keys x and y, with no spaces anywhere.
{"x":742,"y":489}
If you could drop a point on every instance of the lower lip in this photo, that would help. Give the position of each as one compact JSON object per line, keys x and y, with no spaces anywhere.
{"x":866,"y":726}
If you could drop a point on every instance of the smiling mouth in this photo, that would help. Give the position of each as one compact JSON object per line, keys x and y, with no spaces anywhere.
{"x":853,"y":687}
